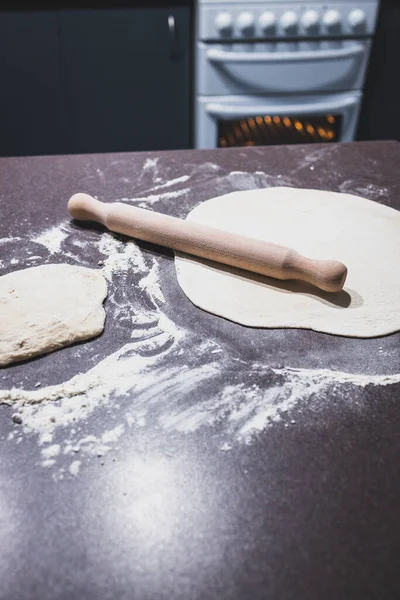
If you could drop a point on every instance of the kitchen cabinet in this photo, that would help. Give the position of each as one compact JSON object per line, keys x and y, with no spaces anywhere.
{"x":127,"y":78}
{"x":94,"y":80}
{"x":32,"y":111}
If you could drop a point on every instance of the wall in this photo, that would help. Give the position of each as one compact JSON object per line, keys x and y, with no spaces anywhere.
{"x":380,"y":114}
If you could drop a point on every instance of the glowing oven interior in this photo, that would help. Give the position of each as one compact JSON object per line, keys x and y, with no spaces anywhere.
{"x":272,"y":130}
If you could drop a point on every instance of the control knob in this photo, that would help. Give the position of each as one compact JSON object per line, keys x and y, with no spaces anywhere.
{"x":357,"y":18}
{"x":309,"y":20}
{"x":331,"y":19}
{"x":224,"y":23}
{"x":288,"y":20}
{"x":245,"y":23}
{"x":267,"y":22}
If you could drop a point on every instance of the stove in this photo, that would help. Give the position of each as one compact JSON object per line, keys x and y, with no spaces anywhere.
{"x":280,"y":72}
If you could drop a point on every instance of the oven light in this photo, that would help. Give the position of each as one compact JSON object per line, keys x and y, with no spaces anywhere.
{"x":287,"y":121}
{"x":238,"y":132}
{"x":330,"y":119}
{"x":330,"y":134}
{"x":244,"y":126}
{"x":268,"y":120}
{"x":322,"y":132}
{"x":298,"y":125}
{"x":310,"y":129}
{"x":253,"y":125}
{"x":260,"y":121}
{"x":276,"y":120}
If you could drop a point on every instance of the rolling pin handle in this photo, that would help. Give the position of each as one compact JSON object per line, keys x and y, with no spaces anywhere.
{"x":86,"y":208}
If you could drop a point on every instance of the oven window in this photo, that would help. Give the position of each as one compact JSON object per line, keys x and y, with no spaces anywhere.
{"x":272,"y":130}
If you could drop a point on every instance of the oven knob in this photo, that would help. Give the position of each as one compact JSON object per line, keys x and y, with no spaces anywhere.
{"x":288,"y":20}
{"x":245,"y":23}
{"x":224,"y":23}
{"x":331,"y":19}
{"x":357,"y":18}
{"x":267,"y":22}
{"x":309,"y":20}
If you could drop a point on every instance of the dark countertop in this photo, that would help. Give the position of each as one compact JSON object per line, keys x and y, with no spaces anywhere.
{"x":200,"y":494}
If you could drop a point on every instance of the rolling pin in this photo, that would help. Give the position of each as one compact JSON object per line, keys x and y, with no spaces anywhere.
{"x":213,"y":244}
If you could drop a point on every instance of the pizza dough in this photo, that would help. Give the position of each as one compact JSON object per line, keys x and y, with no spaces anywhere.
{"x":362,"y":234}
{"x":45,"y":308}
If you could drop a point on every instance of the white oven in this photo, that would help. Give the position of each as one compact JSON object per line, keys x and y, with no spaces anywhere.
{"x":279,"y":73}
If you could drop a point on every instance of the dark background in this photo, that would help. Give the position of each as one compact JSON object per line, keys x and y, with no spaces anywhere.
{"x":70,"y":82}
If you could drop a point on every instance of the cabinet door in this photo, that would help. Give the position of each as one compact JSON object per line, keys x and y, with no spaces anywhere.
{"x":31,"y":115}
{"x":127,"y":82}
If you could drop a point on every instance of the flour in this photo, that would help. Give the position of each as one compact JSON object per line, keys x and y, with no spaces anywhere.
{"x":241,"y":181}
{"x":246,"y":410}
{"x":121,"y":255}
{"x":144,"y":201}
{"x":150,"y":164}
{"x":151,"y":284}
{"x":326,"y":376}
{"x":171,"y":182}
{"x":53,"y":237}
{"x":51,"y":451}
{"x":373,"y":192}
{"x":74,"y":467}
{"x":7,"y":240}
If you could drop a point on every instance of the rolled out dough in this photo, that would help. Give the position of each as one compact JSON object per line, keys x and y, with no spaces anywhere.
{"x":361,"y":233}
{"x":45,"y":308}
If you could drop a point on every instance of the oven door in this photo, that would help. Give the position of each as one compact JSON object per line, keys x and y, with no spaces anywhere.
{"x":224,"y":121}
{"x":281,"y":67}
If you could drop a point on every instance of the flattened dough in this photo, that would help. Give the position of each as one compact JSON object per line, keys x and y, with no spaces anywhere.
{"x":45,"y":308}
{"x":361,"y":233}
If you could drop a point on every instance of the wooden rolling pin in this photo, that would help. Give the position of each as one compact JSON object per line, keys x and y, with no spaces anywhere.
{"x":207,"y":242}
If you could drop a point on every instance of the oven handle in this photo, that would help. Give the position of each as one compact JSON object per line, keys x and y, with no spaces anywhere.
{"x":221,"y":56}
{"x":223,"y":111}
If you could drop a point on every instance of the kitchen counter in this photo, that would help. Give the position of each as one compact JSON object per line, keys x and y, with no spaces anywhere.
{"x":207,"y":460}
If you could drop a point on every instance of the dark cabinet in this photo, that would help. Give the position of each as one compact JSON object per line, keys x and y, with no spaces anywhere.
{"x":32,"y":117}
{"x":127,"y":78}
{"x":75,"y":81}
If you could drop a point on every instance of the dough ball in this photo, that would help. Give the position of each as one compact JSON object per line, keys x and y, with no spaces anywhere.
{"x":47,"y":307}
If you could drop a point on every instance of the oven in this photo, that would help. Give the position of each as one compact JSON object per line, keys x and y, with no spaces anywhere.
{"x":280,"y":73}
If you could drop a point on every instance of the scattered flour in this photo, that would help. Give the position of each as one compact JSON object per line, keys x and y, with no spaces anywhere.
{"x":74,"y":467}
{"x":172,"y":182}
{"x":246,"y":410}
{"x":53,"y":237}
{"x":153,"y":198}
{"x":150,"y":164}
{"x":151,"y":284}
{"x":51,"y":451}
{"x":7,"y":240}
{"x":121,"y":255}
{"x":170,"y":398}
